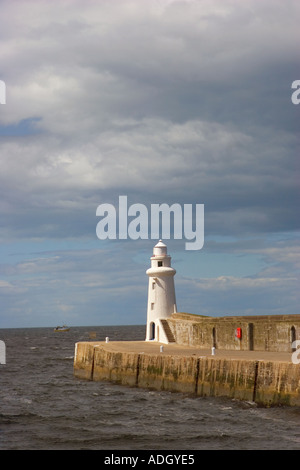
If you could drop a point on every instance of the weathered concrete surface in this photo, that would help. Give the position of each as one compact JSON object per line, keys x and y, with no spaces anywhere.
{"x":259,"y":332}
{"x":84,"y":359}
{"x":278,"y":383}
{"x":227,"y":377}
{"x":115,"y":366}
{"x":165,"y":372}
{"x":264,"y":377}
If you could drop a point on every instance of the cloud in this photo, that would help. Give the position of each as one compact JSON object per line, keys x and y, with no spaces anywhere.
{"x":163,"y":101}
{"x":81,"y":65}
{"x":75,"y":287}
{"x":108,"y":285}
{"x":247,"y":184}
{"x":5,"y":285}
{"x":230,"y":295}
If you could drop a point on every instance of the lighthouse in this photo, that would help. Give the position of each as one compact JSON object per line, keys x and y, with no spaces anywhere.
{"x":161,"y":295}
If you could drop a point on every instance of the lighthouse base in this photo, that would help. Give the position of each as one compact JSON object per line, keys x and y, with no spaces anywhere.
{"x":159,"y":331}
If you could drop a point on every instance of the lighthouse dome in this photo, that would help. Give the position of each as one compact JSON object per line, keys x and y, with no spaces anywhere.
{"x":160,"y":249}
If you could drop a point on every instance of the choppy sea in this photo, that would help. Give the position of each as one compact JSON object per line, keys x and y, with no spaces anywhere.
{"x":43,"y":406}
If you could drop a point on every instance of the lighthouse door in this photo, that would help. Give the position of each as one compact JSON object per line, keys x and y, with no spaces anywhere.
{"x":152,"y":330}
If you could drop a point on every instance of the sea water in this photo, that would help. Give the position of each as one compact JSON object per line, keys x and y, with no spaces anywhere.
{"x":43,"y":406}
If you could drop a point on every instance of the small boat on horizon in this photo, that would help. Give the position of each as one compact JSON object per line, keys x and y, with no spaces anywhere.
{"x":62,"y":328}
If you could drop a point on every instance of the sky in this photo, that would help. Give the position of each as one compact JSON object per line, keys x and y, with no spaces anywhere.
{"x":164,"y":101}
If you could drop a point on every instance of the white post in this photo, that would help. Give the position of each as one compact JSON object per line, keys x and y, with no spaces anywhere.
{"x":2,"y":353}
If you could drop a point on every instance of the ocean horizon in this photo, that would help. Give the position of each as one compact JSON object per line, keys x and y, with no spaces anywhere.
{"x":44,"y":407}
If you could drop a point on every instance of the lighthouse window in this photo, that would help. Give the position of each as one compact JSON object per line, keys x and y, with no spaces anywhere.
{"x":153,"y":285}
{"x":152,"y":330}
{"x":159,"y":263}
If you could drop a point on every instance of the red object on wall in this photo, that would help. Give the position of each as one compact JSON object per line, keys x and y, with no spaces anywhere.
{"x":238,"y":333}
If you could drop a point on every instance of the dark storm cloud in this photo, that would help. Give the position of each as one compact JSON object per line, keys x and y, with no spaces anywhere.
{"x":247,"y":182}
{"x":163,"y":101}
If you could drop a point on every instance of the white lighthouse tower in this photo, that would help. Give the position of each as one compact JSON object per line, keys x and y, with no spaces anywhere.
{"x":161,"y":295}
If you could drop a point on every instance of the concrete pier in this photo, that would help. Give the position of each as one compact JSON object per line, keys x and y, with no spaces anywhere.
{"x":267,"y":378}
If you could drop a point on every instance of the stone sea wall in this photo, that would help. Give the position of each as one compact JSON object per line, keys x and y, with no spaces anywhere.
{"x":258,"y":333}
{"x":266,"y":383}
